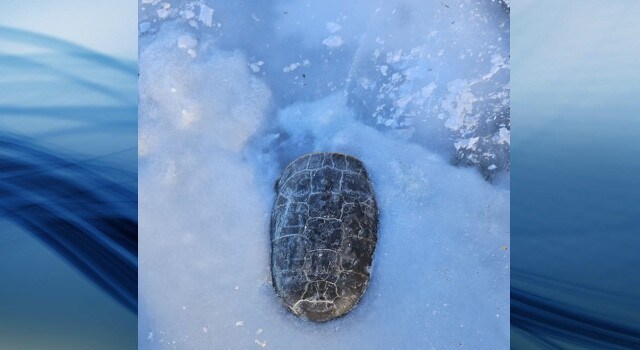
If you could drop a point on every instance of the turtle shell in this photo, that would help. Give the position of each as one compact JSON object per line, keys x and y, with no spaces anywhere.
{"x":324,"y":229}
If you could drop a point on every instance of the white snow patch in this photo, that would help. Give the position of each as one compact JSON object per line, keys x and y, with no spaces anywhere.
{"x":333,"y":41}
{"x":188,"y":14}
{"x":291,"y":67}
{"x":255,"y":67}
{"x":402,"y":102}
{"x":333,"y":27}
{"x":458,"y":103}
{"x":188,"y":43}
{"x":428,"y":90}
{"x":164,"y":11}
{"x":469,"y":143}
{"x":497,"y":63}
{"x":503,"y":136}
{"x":217,"y":97}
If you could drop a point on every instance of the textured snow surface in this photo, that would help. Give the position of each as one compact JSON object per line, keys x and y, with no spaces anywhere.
{"x":223,"y":108}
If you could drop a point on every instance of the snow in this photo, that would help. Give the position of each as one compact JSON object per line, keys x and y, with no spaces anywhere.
{"x":503,"y":136}
{"x":333,"y":41}
{"x":163,"y":12}
{"x":293,"y":66}
{"x":469,"y":143}
{"x":187,"y":43}
{"x":255,"y":67}
{"x":458,"y":104}
{"x":216,"y":130}
{"x":333,"y":27}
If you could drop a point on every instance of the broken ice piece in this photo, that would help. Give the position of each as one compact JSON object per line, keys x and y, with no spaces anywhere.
{"x":206,"y":15}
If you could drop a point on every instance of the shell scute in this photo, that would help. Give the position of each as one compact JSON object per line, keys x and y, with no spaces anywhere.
{"x":324,"y":229}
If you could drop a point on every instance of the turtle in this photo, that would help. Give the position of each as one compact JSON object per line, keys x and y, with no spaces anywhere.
{"x":324,"y":230}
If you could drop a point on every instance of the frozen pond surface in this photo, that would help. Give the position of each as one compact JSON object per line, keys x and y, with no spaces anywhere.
{"x":229,"y":94}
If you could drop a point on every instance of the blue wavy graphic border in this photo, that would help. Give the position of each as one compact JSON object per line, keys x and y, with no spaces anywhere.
{"x":78,"y":197}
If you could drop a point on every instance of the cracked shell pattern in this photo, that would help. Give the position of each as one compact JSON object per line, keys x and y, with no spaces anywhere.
{"x":324,"y":229}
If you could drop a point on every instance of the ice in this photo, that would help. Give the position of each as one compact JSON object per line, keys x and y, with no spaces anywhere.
{"x":144,"y":26}
{"x":206,"y":15}
{"x":218,"y":127}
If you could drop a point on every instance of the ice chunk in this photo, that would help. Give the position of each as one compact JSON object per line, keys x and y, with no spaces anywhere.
{"x":206,"y":15}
